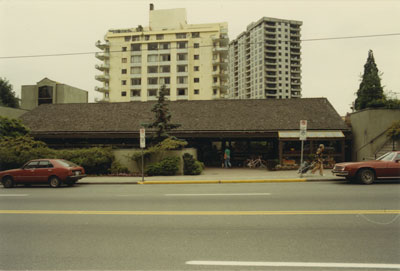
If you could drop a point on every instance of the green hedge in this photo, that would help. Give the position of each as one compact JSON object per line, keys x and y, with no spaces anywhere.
{"x":191,"y":166}
{"x":167,"y":167}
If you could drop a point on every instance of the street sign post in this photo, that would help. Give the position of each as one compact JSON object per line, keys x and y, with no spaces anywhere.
{"x":142,"y":146}
{"x":303,"y":137}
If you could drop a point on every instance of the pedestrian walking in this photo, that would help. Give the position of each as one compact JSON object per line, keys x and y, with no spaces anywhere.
{"x":227,"y":158}
{"x":319,"y":164}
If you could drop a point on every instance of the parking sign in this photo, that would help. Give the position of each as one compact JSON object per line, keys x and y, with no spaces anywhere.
{"x":142,"y":138}
{"x":303,"y":130}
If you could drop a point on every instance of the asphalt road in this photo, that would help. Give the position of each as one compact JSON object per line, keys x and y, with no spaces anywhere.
{"x":287,"y":226}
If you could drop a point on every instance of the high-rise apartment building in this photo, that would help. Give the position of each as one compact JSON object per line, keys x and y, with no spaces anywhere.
{"x":265,"y":61}
{"x":190,"y":60}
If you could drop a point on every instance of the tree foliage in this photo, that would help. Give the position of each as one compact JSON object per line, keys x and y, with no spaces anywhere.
{"x":370,"y":92}
{"x":7,"y":95}
{"x":162,"y":121}
{"x":12,"y":128}
{"x":394,"y":131}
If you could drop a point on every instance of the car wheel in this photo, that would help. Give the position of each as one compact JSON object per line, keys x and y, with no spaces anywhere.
{"x":366,"y":176}
{"x":8,"y":182}
{"x":54,"y":182}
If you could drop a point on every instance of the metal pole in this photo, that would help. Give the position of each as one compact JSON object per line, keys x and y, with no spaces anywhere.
{"x":301,"y":159}
{"x":142,"y":167}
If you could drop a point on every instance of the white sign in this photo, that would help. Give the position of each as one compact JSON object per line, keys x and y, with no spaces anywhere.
{"x":303,"y":130}
{"x":142,"y":138}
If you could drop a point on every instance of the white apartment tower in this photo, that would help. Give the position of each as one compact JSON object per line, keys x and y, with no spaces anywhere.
{"x":265,"y":61}
{"x":190,"y":60}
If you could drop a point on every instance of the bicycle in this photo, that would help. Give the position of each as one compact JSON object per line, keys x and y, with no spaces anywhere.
{"x":256,"y":163}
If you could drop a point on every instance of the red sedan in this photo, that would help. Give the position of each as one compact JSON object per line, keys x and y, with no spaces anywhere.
{"x":55,"y":172}
{"x":386,"y":166}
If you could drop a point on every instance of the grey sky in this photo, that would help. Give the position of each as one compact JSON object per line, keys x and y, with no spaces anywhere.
{"x":330,"y":68}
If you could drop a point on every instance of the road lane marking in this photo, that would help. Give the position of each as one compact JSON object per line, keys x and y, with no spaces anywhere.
{"x":13,"y":195}
{"x":297,"y":264}
{"x":216,"y":194}
{"x":201,"y":213}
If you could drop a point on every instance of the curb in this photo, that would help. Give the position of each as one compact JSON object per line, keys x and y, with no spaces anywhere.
{"x":215,"y":181}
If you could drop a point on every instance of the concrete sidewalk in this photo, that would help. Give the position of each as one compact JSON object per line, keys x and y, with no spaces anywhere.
{"x":218,"y":175}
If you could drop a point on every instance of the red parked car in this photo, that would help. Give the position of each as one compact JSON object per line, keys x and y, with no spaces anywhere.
{"x":386,"y":166}
{"x":55,"y":172}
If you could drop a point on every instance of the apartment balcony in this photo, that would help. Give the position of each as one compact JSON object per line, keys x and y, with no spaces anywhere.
{"x":102,"y":78}
{"x":181,"y":50}
{"x":295,"y":64}
{"x":222,"y":39}
{"x":101,"y":45}
{"x":104,"y":100}
{"x":102,"y":89}
{"x":270,"y":37}
{"x":295,"y":76}
{"x":221,"y":50}
{"x":102,"y":67}
{"x":136,"y":98}
{"x":102,"y":55}
{"x":295,"y":82}
{"x":181,"y":97}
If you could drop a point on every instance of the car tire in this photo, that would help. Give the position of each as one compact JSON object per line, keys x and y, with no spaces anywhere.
{"x":8,"y":182}
{"x":54,"y":182}
{"x":366,"y":176}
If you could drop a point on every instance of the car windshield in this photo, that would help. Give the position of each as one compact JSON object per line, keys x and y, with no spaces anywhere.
{"x":66,"y":163}
{"x":387,"y":156}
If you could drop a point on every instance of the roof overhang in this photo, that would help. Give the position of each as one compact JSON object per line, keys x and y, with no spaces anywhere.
{"x":327,"y":134}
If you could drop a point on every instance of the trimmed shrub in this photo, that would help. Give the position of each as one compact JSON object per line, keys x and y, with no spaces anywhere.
{"x":167,"y":167}
{"x":191,"y":166}
{"x":117,"y":168}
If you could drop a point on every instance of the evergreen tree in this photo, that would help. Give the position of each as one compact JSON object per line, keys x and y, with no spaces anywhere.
{"x":162,"y":123}
{"x":7,"y":95}
{"x":370,"y":92}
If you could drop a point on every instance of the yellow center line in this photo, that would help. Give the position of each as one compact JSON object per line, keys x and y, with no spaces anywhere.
{"x":199,"y":213}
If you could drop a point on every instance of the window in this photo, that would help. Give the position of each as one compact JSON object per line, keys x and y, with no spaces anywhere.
{"x":196,"y":45}
{"x":135,"y":38}
{"x":123,"y":82}
{"x":182,"y":57}
{"x":166,"y":57}
{"x":152,"y":69}
{"x":181,"y":91}
{"x":165,"y":81}
{"x":147,"y":37}
{"x":127,"y":38}
{"x":123,"y":93}
{"x":196,"y":68}
{"x":159,"y":37}
{"x":135,"y":93}
{"x":182,"y":68}
{"x":123,"y":71}
{"x":181,"y":35}
{"x":136,"y":70}
{"x":152,"y":80}
{"x":196,"y":57}
{"x":136,"y":59}
{"x":165,"y":69}
{"x":152,"y":58}
{"x":135,"y":47}
{"x":196,"y":91}
{"x":215,"y":79}
{"x":136,"y":81}
{"x":195,"y":34}
{"x":164,"y":46}
{"x":152,"y":46}
{"x":215,"y":91}
{"x":45,"y":95}
{"x":45,"y":164}
{"x":215,"y":68}
{"x":124,"y":60}
{"x":181,"y":79}
{"x":124,"y":49}
{"x":196,"y":80}
{"x":152,"y":92}
{"x":182,"y":45}
{"x":167,"y":92}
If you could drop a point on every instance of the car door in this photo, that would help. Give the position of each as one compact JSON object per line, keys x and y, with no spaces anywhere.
{"x":27,"y":173}
{"x":43,"y":171}
{"x":393,"y":167}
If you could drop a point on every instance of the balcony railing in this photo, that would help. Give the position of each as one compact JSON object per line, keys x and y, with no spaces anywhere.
{"x":102,"y":55}
{"x":102,"y":67}
{"x":102,"y":46}
{"x":102,"y":77}
{"x":102,"y":89}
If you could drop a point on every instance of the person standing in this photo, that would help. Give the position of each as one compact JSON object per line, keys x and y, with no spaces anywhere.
{"x":227,"y":157}
{"x":319,"y":160}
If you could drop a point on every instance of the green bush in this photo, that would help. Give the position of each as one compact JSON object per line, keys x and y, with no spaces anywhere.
{"x":117,"y":168}
{"x":191,"y":166}
{"x":167,"y":167}
{"x":93,"y":160}
{"x":12,"y":128}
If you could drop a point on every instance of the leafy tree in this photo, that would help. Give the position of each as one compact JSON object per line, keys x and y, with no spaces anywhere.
{"x":7,"y":95}
{"x":162,"y":123}
{"x":12,"y":128}
{"x":394,"y":131}
{"x":370,"y":92}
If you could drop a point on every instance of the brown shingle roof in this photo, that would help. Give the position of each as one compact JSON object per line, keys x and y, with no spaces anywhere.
{"x":194,"y":116}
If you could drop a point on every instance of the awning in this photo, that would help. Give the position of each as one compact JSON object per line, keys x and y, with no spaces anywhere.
{"x":311,"y":134}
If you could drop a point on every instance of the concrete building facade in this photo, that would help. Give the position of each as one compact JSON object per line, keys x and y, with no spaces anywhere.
{"x":48,"y":91}
{"x":265,"y":61}
{"x":190,"y":60}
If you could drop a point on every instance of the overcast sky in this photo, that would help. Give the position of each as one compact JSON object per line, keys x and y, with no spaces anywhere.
{"x":330,"y":68}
